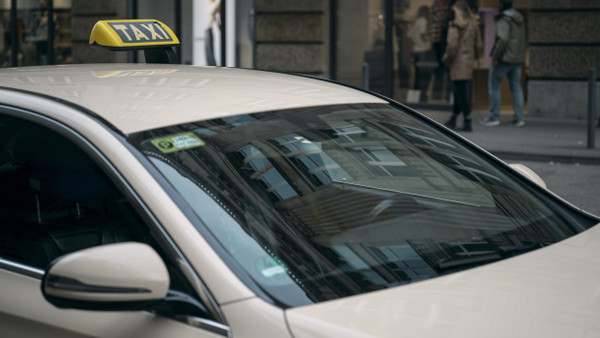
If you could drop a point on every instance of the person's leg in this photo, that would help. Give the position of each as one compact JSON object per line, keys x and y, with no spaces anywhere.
{"x":496,"y":74}
{"x":469,"y":99}
{"x":451,"y":123}
{"x":439,"y":72}
{"x":462,"y":97}
{"x":416,"y":59}
{"x":514,"y":80}
{"x":494,"y":83}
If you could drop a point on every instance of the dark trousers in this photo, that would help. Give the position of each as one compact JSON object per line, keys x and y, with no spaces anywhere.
{"x":462,"y":97}
{"x":441,"y":74}
{"x":424,"y":68}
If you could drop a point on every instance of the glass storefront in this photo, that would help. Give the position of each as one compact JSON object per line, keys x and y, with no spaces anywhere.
{"x":178,"y":15}
{"x":419,"y":43}
{"x":392,"y":47}
{"x":395,"y":48}
{"x":25,"y":32}
{"x":407,"y":53}
{"x":360,"y":44}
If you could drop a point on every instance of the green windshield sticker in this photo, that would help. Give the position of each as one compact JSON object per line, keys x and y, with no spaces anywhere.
{"x":177,"y":142}
{"x":270,"y":268}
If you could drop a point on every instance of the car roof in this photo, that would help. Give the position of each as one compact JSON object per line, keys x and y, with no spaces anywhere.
{"x":138,"y":97}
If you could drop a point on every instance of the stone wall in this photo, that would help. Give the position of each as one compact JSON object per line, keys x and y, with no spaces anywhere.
{"x":564,"y":42}
{"x":291,"y":36}
{"x":85,"y":14}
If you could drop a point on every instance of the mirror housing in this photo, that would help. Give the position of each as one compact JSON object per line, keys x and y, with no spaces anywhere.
{"x":530,"y":174}
{"x":116,"y":277}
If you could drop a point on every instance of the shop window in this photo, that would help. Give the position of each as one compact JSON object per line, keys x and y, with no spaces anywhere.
{"x":37,"y":43}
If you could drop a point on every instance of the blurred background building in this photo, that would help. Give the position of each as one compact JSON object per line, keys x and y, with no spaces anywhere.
{"x":389,"y":46}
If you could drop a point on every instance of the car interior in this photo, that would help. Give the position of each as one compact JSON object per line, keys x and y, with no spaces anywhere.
{"x":54,"y":200}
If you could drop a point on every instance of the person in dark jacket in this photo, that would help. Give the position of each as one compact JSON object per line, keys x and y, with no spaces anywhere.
{"x":508,"y":56}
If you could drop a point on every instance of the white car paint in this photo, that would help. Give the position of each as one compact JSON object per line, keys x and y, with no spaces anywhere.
{"x":136,"y":97}
{"x":550,"y":292}
{"x":558,"y":297}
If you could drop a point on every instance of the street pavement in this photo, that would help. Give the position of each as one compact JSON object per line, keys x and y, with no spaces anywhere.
{"x":541,"y":139}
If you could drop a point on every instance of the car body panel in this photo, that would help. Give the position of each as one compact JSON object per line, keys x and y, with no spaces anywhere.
{"x":253,"y":317}
{"x":24,"y":313}
{"x":541,"y":293}
{"x":135,"y":97}
{"x":550,"y":292}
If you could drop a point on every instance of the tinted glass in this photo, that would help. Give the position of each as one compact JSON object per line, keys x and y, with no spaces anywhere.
{"x":54,"y":199}
{"x":326,"y":202}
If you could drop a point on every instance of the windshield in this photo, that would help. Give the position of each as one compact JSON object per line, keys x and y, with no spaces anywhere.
{"x":326,"y":202}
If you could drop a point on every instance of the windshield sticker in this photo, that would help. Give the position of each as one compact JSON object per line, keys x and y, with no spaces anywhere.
{"x":270,"y":268}
{"x":177,"y":142}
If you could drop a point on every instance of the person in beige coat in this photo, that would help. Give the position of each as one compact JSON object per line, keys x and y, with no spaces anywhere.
{"x":463,"y":48}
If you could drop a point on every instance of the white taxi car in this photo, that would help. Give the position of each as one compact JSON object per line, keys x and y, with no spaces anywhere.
{"x":180,"y":201}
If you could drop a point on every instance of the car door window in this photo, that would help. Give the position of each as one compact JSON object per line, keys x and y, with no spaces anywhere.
{"x":54,"y":199}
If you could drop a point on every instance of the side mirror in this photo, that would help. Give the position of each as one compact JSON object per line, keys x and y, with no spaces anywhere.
{"x":114,"y":277}
{"x":530,"y":174}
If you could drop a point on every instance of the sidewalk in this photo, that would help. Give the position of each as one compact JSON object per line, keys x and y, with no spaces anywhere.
{"x":541,"y":139}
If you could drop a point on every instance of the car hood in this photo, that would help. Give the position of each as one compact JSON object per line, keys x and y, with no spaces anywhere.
{"x":551,"y":292}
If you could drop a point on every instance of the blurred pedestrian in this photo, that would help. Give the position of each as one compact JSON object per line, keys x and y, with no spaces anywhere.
{"x":508,"y":56}
{"x":437,"y":28}
{"x":463,"y":48}
{"x":422,"y":54}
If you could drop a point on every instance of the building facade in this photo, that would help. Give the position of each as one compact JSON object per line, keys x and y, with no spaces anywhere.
{"x":564,"y":43}
{"x":391,"y":47}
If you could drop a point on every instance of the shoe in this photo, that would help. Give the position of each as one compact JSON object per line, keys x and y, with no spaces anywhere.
{"x":518,"y":124}
{"x":488,"y":122}
{"x":466,"y":126}
{"x":451,"y":123}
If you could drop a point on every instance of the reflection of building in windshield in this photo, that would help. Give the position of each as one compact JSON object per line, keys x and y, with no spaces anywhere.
{"x":331,"y":186}
{"x":355,"y":202}
{"x":380,"y":160}
{"x":445,"y":153}
{"x":262,"y":171}
{"x":311,"y":158}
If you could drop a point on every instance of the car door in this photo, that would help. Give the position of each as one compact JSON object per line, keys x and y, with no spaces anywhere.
{"x":57,"y":196}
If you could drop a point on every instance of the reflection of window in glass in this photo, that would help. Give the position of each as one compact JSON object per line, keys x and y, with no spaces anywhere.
{"x":231,"y":122}
{"x":240,"y":120}
{"x":469,"y":168}
{"x":264,"y":173}
{"x":383,"y":162}
{"x":471,"y":248}
{"x":294,"y":143}
{"x":204,"y":131}
{"x":318,"y":164}
{"x":446,"y":153}
{"x":357,"y":264}
{"x":351,"y":134}
{"x":277,"y":185}
{"x":404,"y":261}
{"x":423,"y":137}
{"x":254,"y":157}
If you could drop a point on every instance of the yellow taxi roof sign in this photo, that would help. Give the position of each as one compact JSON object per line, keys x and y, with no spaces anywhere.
{"x":132,"y":34}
